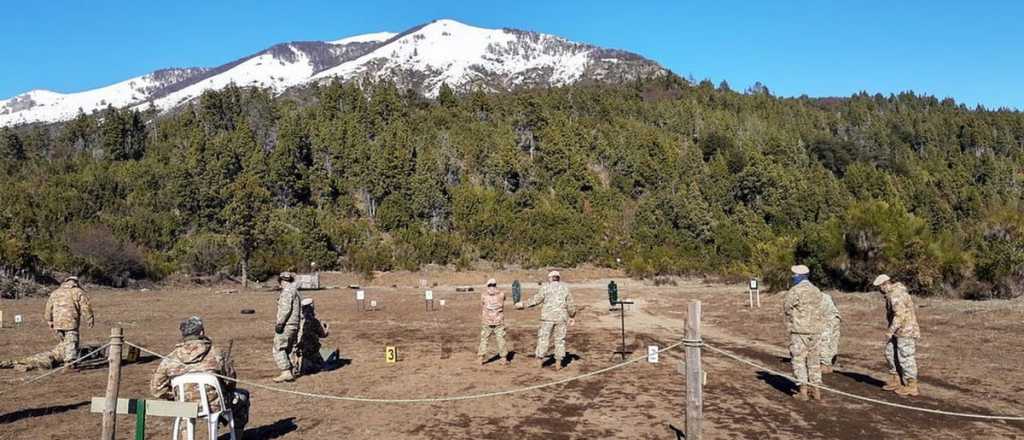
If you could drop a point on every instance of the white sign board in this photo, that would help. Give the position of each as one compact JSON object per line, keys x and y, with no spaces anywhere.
{"x":753,"y":284}
{"x":652,"y":354}
{"x":360,"y":295}
{"x":373,"y":304}
{"x":429,"y":295}
{"x":17,"y":319}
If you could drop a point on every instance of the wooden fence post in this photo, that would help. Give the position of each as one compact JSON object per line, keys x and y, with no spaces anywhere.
{"x":113,"y":383}
{"x":694,"y":374}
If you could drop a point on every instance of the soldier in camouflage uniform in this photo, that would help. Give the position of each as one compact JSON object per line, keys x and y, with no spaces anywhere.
{"x":492,"y":305}
{"x":66,"y":308}
{"x":805,"y":320}
{"x":830,"y":336}
{"x":901,"y":337}
{"x":286,"y":330}
{"x":556,"y":315}
{"x":39,"y":361}
{"x":311,"y":330}
{"x":196,"y":354}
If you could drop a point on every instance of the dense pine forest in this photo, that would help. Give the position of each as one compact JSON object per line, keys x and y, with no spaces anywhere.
{"x":666,"y":176}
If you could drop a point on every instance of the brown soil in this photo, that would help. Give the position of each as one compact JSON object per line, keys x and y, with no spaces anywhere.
{"x":969,"y":358}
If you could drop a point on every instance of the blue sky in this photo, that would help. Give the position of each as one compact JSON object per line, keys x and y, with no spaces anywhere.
{"x":971,"y":51}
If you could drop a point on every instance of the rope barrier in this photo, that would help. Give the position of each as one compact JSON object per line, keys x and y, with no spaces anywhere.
{"x":419,"y":400}
{"x":56,"y":370}
{"x":862,"y":398}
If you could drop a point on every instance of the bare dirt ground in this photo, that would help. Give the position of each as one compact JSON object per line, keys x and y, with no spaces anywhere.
{"x":970,"y":360}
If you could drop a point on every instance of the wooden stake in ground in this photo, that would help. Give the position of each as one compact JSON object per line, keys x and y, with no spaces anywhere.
{"x":113,"y":383}
{"x":694,"y":374}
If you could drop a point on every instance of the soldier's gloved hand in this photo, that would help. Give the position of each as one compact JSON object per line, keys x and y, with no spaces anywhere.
{"x":279,"y":329}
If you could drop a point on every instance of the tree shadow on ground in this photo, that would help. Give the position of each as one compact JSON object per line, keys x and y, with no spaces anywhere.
{"x":39,"y":412}
{"x":780,"y":383}
{"x":273,"y":430}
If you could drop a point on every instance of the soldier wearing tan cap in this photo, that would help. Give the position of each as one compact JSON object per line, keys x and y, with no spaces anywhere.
{"x":805,"y":320}
{"x":492,"y":305}
{"x":901,"y":337}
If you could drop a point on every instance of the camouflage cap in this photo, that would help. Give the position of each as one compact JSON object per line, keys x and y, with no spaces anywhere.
{"x":287,"y":276}
{"x":492,"y":282}
{"x":800,"y":270}
{"x":191,"y":327}
{"x":881,"y":279}
{"x":553,"y":274}
{"x":307,"y":302}
{"x":72,"y":279}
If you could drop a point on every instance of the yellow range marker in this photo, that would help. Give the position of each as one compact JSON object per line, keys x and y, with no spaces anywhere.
{"x":390,"y":355}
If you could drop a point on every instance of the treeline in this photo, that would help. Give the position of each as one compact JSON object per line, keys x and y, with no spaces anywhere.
{"x":660,"y":177}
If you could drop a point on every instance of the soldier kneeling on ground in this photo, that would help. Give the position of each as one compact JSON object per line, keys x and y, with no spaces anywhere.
{"x":196,"y":354}
{"x":311,"y":330}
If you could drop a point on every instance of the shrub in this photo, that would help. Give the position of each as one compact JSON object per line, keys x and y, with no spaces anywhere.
{"x":208,"y":254}
{"x":103,"y":257}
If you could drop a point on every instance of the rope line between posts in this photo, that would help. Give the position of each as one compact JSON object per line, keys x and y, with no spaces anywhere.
{"x":858,"y":397}
{"x":56,"y":370}
{"x":421,"y":400}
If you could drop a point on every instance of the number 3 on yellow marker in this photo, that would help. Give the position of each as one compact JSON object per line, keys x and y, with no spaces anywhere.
{"x":390,"y":355}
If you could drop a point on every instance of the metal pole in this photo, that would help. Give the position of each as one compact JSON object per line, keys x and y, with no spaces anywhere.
{"x":694,"y":375}
{"x":113,"y":383}
{"x":622,"y":317}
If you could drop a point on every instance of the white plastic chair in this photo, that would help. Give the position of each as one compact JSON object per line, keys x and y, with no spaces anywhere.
{"x":202,"y":381}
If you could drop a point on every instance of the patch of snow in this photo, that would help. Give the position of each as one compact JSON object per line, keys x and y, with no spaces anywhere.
{"x":365,"y":38}
{"x":262,"y":71}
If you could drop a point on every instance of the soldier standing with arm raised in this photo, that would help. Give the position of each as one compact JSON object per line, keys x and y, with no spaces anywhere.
{"x":556,"y":315}
{"x":65,"y":309}
{"x":803,"y":308}
{"x":286,"y":330}
{"x":901,"y":337}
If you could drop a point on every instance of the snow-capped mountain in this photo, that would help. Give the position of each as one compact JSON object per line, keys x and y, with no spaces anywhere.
{"x":422,"y":58}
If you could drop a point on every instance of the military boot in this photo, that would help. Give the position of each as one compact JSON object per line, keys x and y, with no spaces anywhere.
{"x":910,"y":389}
{"x":285,"y":376}
{"x":893,"y":383}
{"x":801,"y":393}
{"x":816,"y":393}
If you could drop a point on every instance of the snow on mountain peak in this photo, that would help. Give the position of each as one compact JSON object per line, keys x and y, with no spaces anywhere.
{"x":375,"y":37}
{"x":422,"y":58}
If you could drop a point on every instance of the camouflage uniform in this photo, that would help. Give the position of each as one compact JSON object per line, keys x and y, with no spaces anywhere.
{"x":554,"y":317}
{"x":830,"y":336}
{"x":288,"y":315}
{"x":65,"y":309}
{"x":311,"y":330}
{"x":38,"y":361}
{"x":198,"y":355}
{"x":492,"y":306}
{"x":901,"y":350}
{"x":805,"y":322}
